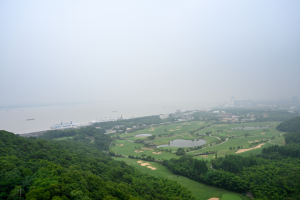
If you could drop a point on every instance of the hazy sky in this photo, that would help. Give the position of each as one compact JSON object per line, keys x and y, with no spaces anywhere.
{"x":153,"y":51}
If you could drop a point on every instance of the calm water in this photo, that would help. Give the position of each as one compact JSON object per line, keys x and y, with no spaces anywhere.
{"x":184,"y":143}
{"x":249,"y":128}
{"x":15,"y":120}
{"x":143,"y":135}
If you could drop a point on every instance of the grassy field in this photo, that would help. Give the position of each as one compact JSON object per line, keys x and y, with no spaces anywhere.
{"x":241,"y":140}
{"x":129,"y":148}
{"x":230,"y":197}
{"x":199,"y":190}
{"x":177,"y":128}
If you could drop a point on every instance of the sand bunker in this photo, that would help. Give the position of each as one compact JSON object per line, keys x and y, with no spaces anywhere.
{"x":243,"y":150}
{"x":190,"y":136}
{"x":200,"y":123}
{"x":137,"y":151}
{"x":171,"y":130}
{"x":256,"y":140}
{"x":250,"y":142}
{"x":204,"y":156}
{"x":179,"y":127}
{"x":120,"y":145}
{"x":156,"y":152}
{"x":145,"y":164}
{"x":214,"y":198}
{"x":151,"y":129}
{"x":229,"y":131}
{"x":153,"y":168}
{"x":263,"y":133}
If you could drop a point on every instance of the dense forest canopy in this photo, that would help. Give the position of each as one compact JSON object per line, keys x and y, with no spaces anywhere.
{"x":293,"y":137}
{"x":61,"y":170}
{"x":291,"y":125}
{"x":85,"y":134}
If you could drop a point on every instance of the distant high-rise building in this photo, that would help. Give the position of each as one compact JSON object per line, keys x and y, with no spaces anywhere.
{"x":232,"y":100}
{"x":294,"y":99}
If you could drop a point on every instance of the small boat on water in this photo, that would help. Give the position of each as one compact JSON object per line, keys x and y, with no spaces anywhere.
{"x":30,"y":119}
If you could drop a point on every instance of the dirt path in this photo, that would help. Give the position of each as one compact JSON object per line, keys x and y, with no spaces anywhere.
{"x":216,"y":137}
{"x":244,"y":150}
{"x":109,"y":147}
{"x":93,"y":139}
{"x":249,"y":194}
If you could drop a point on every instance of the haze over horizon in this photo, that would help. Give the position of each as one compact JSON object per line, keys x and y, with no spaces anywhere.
{"x":59,"y":52}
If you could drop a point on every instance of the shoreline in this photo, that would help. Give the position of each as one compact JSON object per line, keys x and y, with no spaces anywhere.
{"x":38,"y":133}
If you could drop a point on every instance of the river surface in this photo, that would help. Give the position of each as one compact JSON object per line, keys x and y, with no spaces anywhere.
{"x":15,"y":119}
{"x":184,"y":143}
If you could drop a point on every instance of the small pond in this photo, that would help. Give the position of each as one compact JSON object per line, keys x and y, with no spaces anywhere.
{"x":250,"y":128}
{"x":143,"y":135}
{"x":184,"y":143}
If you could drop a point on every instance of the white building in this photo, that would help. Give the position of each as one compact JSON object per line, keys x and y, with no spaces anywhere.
{"x":164,"y":116}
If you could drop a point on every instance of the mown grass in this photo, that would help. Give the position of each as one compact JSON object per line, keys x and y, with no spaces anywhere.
{"x":217,"y":131}
{"x":199,"y":190}
{"x":230,"y":197}
{"x":184,"y":127}
{"x":241,"y":140}
{"x":129,"y":148}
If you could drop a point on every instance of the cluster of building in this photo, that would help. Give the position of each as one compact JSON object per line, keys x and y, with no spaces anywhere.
{"x":228,"y":117}
{"x":66,"y":125}
{"x":261,"y":104}
{"x":106,"y":119}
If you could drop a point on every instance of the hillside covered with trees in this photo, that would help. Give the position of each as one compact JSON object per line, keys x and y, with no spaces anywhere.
{"x":70,"y":169}
{"x":291,"y":125}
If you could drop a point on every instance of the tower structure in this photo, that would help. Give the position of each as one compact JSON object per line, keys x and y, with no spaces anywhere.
{"x":232,"y":100}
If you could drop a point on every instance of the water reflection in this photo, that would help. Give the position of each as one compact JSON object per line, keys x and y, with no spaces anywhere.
{"x":143,"y":135}
{"x":184,"y":143}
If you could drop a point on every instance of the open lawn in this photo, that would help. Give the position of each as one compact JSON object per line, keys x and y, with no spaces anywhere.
{"x":237,"y":139}
{"x":230,"y":197}
{"x":177,"y":128}
{"x":63,"y":138}
{"x":199,"y":190}
{"x":131,"y":148}
{"x":242,"y":138}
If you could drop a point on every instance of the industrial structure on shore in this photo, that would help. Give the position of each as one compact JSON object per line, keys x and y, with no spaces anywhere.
{"x":66,"y":125}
